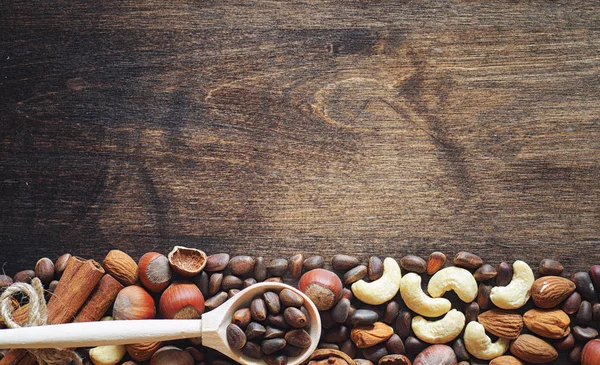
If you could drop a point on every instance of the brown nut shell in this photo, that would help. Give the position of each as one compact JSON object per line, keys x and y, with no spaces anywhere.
{"x":187,"y":261}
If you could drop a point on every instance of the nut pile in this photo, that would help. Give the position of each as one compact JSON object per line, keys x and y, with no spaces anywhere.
{"x":381,"y":311}
{"x":273,"y":327}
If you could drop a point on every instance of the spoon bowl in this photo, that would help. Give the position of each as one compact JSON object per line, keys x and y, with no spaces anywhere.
{"x":211,"y":328}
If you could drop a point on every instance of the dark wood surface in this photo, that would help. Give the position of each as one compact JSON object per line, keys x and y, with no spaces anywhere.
{"x":271,"y":128}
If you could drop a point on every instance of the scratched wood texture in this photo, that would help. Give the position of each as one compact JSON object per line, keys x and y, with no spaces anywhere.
{"x":271,"y":128}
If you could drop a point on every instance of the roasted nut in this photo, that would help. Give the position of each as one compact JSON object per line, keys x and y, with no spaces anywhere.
{"x":330,"y":357}
{"x":394,"y":359}
{"x":441,"y":331}
{"x":341,"y":310}
{"x":471,"y":312}
{"x":584,"y":285}
{"x":258,"y":309}
{"x":532,"y":349}
{"x":355,"y":274}
{"x":381,"y":290}
{"x":24,"y":276}
{"x":133,"y":302}
{"x":256,"y":330}
{"x":506,"y":360}
{"x":295,"y":266}
{"x":435,"y":262}
{"x":459,"y":280}
{"x":375,"y":268}
{"x":501,"y":323}
{"x":364,"y":317}
{"x":298,"y":338}
{"x":550,"y":267}
{"x":60,"y":264}
{"x":323,"y":287}
{"x":485,"y":272}
{"x":107,"y":355}
{"x":241,"y":317}
{"x":44,"y":270}
{"x":518,"y":291}
{"x":566,"y":343}
{"x":584,"y":334}
{"x":277,"y":267}
{"x":295,"y":317}
{"x":343,"y":262}
{"x":549,"y":323}
{"x":505,"y":274}
{"x":480,"y":345}
{"x":187,"y":261}
{"x":418,"y":301}
{"x":215,"y":301}
{"x":391,"y":311}
{"x":572,"y":303}
{"x":217,"y":262}
{"x":436,"y":354}
{"x":550,"y":291}
{"x":367,"y":336}
{"x":170,"y":355}
{"x":413,"y":263}
{"x":260,"y":267}
{"x":236,"y":338}
{"x":467,"y":260}
{"x":314,"y":262}
{"x":181,"y":300}
{"x":154,"y":271}
{"x":590,"y":355}
{"x":121,"y":266}
{"x":142,"y":351}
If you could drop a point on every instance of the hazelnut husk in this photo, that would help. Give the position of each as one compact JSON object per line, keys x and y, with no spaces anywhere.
{"x":181,"y":300}
{"x":186,"y":261}
{"x":323,"y":287}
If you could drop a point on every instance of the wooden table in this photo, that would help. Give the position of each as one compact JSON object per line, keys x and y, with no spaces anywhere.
{"x":271,"y":128}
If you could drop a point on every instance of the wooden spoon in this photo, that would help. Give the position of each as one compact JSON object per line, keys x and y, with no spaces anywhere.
{"x":211,"y":328}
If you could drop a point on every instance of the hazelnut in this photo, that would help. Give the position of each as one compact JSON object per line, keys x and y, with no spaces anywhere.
{"x":323,"y":287}
{"x":24,"y":276}
{"x":181,"y":300}
{"x":44,"y":270}
{"x":590,"y":355}
{"x":186,"y":261}
{"x":171,"y":355}
{"x":133,"y":302}
{"x":154,"y":271}
{"x":61,"y":264}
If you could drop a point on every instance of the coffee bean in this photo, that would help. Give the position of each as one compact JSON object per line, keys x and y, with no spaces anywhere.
{"x":235,"y":336}
{"x":201,"y":282}
{"x":295,"y":317}
{"x":413,"y":345}
{"x":364,"y":317}
{"x":231,"y":282}
{"x":340,"y":311}
{"x":258,"y":309}
{"x":575,"y":354}
{"x":295,"y":266}
{"x":299,"y":338}
{"x":435,"y":262}
{"x":395,"y":345}
{"x":292,"y":351}
{"x":467,"y":260}
{"x":216,"y":300}
{"x":252,"y":350}
{"x":485,"y":272}
{"x":260,"y":269}
{"x":550,"y":267}
{"x":375,"y":268}
{"x":403,"y":323}
{"x":572,"y":303}
{"x":343,"y":262}
{"x":483,"y":296}
{"x":241,"y":265}
{"x":338,"y":333}
{"x":254,"y":330}
{"x":314,"y":262}
{"x":505,"y":274}
{"x":290,"y":298}
{"x":391,"y":312}
{"x":272,"y":301}
{"x":374,"y":353}
{"x":241,"y":317}
{"x":273,"y":345}
{"x":355,"y":274}
{"x":273,"y":332}
{"x":566,"y":343}
{"x":413,"y":263}
{"x":584,"y":314}
{"x":349,"y":348}
{"x":584,"y":334}
{"x":276,"y":360}
{"x":583,"y":283}
{"x":214,"y":283}
{"x":471,"y":312}
{"x":277,"y":321}
{"x":277,"y":267}
{"x":249,"y":282}
{"x":459,"y":350}
{"x":216,"y":262}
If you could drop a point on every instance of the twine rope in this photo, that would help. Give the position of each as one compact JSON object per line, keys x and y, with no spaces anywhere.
{"x":37,"y":316}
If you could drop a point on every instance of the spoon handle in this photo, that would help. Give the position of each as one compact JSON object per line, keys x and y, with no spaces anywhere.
{"x":89,"y":334}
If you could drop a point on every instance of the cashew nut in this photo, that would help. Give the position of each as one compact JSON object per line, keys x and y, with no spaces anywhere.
{"x":418,"y":301}
{"x":480,"y":345}
{"x":518,"y":291}
{"x":440,"y":331}
{"x":107,"y":355}
{"x":453,"y":278}
{"x":381,"y":290}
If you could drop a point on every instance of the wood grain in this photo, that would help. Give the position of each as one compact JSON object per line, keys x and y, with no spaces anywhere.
{"x":270,"y":128}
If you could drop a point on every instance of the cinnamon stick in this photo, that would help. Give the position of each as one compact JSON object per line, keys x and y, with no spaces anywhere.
{"x":101,"y":299}
{"x":75,"y":285}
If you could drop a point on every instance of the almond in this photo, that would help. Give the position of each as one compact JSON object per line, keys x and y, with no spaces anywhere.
{"x":550,"y":291}
{"x":142,"y":351}
{"x":506,"y":360}
{"x":549,"y":323}
{"x":532,"y":349}
{"x":502,"y":323}
{"x":367,"y":336}
{"x":121,"y":266}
